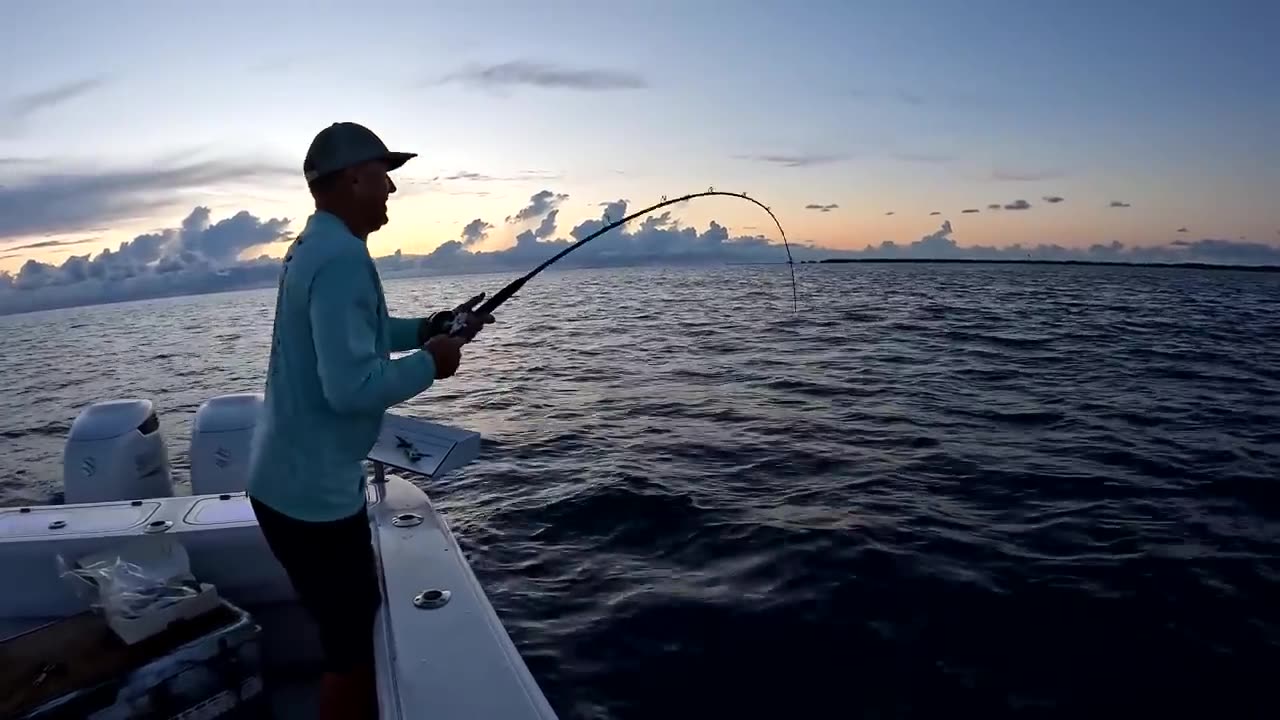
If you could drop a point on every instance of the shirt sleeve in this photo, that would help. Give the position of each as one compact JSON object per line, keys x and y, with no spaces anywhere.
{"x":354,"y":377}
{"x":404,"y":333}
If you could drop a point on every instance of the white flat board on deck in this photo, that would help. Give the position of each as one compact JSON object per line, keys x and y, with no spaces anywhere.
{"x":441,"y":448}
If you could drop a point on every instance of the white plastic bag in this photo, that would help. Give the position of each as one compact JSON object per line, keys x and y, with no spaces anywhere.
{"x":135,"y":578}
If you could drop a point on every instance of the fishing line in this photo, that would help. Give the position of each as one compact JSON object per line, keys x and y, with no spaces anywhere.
{"x":459,"y":326}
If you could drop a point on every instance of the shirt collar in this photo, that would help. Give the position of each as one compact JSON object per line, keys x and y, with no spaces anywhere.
{"x":325,"y":221}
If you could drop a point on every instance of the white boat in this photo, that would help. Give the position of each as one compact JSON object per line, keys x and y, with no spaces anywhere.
{"x":442,"y":651}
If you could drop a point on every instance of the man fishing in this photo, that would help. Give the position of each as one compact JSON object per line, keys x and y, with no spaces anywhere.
{"x":330,"y":378}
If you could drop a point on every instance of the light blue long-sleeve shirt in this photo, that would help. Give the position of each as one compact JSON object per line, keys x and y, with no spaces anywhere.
{"x":330,"y":377}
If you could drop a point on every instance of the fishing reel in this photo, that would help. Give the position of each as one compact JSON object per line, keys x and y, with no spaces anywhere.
{"x":459,"y":326}
{"x":454,"y":322}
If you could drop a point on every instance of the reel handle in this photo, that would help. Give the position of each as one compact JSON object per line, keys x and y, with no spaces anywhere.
{"x":461,"y":314}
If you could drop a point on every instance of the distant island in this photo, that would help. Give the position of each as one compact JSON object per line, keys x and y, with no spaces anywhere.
{"x":997,"y":261}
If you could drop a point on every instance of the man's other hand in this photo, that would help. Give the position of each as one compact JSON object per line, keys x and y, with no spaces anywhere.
{"x":447,"y":353}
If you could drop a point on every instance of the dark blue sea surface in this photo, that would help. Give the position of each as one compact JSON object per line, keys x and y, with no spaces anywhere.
{"x":980,"y":491}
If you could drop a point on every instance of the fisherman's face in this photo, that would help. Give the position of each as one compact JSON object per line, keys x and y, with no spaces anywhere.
{"x":371,"y":187}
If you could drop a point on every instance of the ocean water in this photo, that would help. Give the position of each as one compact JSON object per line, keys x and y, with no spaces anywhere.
{"x":981,"y":490}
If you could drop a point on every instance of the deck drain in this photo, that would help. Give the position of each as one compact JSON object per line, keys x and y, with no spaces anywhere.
{"x":406,"y":520}
{"x":158,"y":526}
{"x":431,"y":599}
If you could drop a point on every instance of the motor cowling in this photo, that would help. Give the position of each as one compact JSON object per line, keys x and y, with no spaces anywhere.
{"x":116,"y":451}
{"x":221,"y":440}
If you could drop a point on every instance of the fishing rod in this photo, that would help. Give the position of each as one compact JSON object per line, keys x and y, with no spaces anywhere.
{"x":459,"y":325}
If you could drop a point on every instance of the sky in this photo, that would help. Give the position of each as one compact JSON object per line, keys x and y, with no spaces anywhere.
{"x":141,"y":139}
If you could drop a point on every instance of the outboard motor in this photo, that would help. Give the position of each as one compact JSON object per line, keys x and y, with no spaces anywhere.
{"x":116,"y":451}
{"x":221,"y":440}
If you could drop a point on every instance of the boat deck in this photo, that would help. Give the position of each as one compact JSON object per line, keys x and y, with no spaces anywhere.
{"x":443,"y":660}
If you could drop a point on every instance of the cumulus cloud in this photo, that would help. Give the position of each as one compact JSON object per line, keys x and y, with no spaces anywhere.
{"x":942,"y":245}
{"x":547,"y":227}
{"x":821,"y":208}
{"x":540,"y":203}
{"x":64,"y":202}
{"x":1053,"y":199}
{"x":1017,"y":205}
{"x":201,"y":256}
{"x":475,"y":232}
{"x":544,"y":75}
{"x":658,"y":238}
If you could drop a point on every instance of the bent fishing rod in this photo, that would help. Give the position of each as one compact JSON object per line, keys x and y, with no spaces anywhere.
{"x":459,"y":325}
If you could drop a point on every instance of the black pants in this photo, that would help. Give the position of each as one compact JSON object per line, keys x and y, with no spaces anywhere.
{"x":333,"y":571}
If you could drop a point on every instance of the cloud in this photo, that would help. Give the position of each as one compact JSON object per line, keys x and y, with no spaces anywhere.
{"x":18,"y":161}
{"x":465,"y":182}
{"x":936,"y":212}
{"x":970,"y":210}
{"x":1026,"y":175}
{"x":16,"y":111}
{"x":821,"y":208}
{"x":1118,"y":204}
{"x":1182,"y":229}
{"x":48,"y":244}
{"x":544,"y":75}
{"x":1053,"y":199}
{"x":942,"y":245}
{"x":1018,"y":205}
{"x":548,"y":226}
{"x":522,"y":176}
{"x":475,"y":232}
{"x":993,"y":206}
{"x":653,"y":239}
{"x":796,"y":160}
{"x":200,"y":256}
{"x":540,"y":203}
{"x":53,"y":203}
{"x":889,"y":213}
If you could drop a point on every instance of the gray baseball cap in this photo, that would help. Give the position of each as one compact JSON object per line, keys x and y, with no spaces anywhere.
{"x":344,"y":144}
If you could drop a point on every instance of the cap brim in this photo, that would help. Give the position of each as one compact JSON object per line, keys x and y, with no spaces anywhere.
{"x":396,"y":159}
